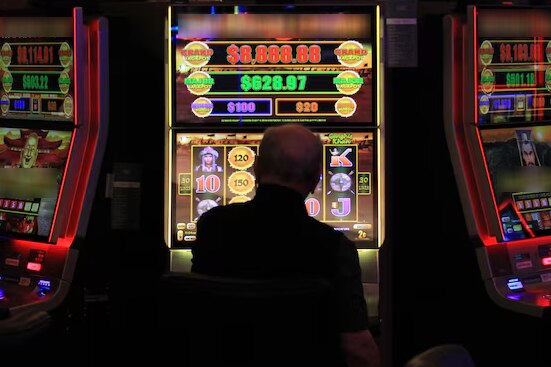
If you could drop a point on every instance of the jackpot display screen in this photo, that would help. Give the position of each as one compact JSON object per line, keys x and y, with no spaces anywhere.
{"x":37,"y":78}
{"x":519,"y":164}
{"x":513,"y":62}
{"x":253,"y":68}
{"x":32,"y":165}
{"x":214,"y":169}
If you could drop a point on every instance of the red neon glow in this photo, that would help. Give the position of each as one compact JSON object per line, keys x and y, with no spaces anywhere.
{"x":465,"y":160}
{"x":475,"y":64}
{"x":474,"y":198}
{"x":481,"y":224}
{"x":76,"y":119}
{"x":91,"y":141}
{"x":34,"y":266}
{"x":542,"y":301}
{"x":63,"y":180}
{"x":480,"y":147}
{"x":546,"y":261}
{"x":27,"y":243}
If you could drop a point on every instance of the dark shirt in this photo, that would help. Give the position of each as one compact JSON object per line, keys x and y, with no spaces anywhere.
{"x":273,"y":236}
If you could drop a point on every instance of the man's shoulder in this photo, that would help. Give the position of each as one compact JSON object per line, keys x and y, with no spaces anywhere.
{"x":225,"y":211}
{"x":325,"y":232}
{"x":324,"y":229}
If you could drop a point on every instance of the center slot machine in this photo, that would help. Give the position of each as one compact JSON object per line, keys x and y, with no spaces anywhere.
{"x":53,"y":126}
{"x":235,"y":70}
{"x":498,"y":126}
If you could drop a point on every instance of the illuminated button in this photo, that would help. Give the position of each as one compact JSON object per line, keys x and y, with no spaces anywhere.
{"x":190,"y":238}
{"x":515,"y":284}
{"x":11,"y":261}
{"x":44,"y":283}
{"x":545,"y":277}
{"x":180,"y":235}
{"x":523,"y":264}
{"x":191,"y":226}
{"x":25,"y":281}
{"x":181,"y":226}
{"x":34,"y":266}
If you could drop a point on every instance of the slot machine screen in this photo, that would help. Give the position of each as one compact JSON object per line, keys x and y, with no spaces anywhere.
{"x":37,"y":78}
{"x":255,"y":68}
{"x":519,"y":165}
{"x":512,"y":95}
{"x":214,"y":169}
{"x":32,"y":165}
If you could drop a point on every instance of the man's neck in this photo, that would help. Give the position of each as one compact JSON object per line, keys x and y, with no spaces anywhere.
{"x":290,"y":185}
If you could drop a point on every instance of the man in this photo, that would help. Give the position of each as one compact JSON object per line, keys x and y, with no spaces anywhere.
{"x":29,"y":152}
{"x":527,"y":148}
{"x":273,"y":236}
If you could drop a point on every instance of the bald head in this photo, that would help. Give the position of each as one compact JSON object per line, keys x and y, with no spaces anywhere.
{"x":290,"y":155}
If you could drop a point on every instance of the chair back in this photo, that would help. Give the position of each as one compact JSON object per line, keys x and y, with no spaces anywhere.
{"x":217,"y":321}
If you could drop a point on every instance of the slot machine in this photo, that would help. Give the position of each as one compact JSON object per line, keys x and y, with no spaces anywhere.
{"x":498,"y":129}
{"x":233,"y":71}
{"x":53,"y":128}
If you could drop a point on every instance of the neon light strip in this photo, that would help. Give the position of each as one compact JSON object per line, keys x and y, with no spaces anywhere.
{"x":77,"y":17}
{"x":380,"y":211}
{"x":168,"y":144}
